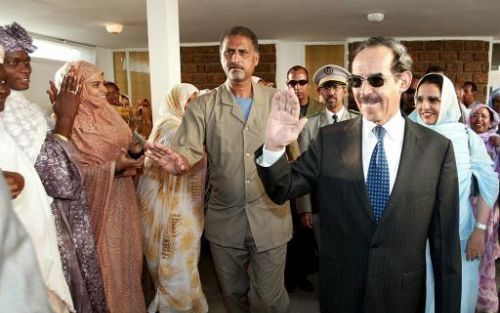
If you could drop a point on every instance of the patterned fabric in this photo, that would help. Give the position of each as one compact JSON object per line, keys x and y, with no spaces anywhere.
{"x":26,"y":123}
{"x":335,"y":118}
{"x":14,"y":37}
{"x":172,"y":219}
{"x":64,"y":182}
{"x":33,"y":208}
{"x":488,"y":296}
{"x":99,"y":135}
{"x":378,"y":176}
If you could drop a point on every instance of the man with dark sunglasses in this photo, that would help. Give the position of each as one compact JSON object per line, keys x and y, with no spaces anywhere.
{"x":386,"y":187}
{"x":298,"y":80}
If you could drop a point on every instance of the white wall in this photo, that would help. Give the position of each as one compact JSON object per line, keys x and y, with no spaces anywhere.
{"x":104,"y":60}
{"x":288,"y":54}
{"x":43,"y":70}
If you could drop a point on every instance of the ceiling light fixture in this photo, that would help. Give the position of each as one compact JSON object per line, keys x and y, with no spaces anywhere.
{"x":376,"y":17}
{"x":114,"y":28}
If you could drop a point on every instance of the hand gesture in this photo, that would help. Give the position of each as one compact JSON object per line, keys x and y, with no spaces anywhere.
{"x":283,"y":125}
{"x":66,"y":103}
{"x":167,"y":158}
{"x":15,"y":181}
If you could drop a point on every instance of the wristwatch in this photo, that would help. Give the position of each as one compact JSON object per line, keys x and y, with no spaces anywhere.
{"x":481,"y":226}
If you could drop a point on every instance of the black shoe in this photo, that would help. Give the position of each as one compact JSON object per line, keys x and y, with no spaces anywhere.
{"x":305,"y":284}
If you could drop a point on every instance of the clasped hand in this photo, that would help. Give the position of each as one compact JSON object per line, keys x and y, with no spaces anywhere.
{"x":284,"y":123}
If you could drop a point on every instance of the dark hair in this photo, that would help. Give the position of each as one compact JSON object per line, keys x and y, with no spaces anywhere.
{"x":108,"y":83}
{"x":432,"y":78}
{"x":297,"y":68}
{"x":240,"y":31}
{"x":472,"y":84}
{"x":402,"y":60}
{"x":435,"y":68}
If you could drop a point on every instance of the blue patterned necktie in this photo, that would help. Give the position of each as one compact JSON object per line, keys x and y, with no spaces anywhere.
{"x":378,"y":176}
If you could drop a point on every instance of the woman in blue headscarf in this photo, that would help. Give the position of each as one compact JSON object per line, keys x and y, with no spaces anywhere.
{"x":437,"y":108}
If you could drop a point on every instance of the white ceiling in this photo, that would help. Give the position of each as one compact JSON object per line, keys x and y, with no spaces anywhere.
{"x":291,"y":20}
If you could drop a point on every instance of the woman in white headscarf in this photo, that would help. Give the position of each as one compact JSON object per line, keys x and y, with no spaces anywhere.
{"x":437,"y":108}
{"x":172,"y":217}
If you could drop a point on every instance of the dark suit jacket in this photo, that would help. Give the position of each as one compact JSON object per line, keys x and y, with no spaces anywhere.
{"x":373,"y":268}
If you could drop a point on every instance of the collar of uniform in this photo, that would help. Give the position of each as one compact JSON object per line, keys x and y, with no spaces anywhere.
{"x":228,"y":97}
{"x":393,"y":127}
{"x":339,"y":114}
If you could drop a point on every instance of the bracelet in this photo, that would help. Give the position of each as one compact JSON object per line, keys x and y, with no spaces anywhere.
{"x":62,"y":137}
{"x":481,"y":226}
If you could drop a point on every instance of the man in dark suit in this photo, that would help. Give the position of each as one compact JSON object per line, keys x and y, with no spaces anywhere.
{"x":385,"y":185}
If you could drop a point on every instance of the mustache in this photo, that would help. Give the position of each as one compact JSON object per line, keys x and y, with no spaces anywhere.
{"x":370,"y":99}
{"x":235,"y":65}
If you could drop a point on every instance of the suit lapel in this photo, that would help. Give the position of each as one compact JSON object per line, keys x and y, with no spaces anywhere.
{"x":353,"y":160}
{"x":412,"y":148}
{"x":228,"y":99}
{"x":258,"y":97}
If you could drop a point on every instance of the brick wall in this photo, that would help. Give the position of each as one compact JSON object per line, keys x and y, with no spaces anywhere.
{"x":201,"y":66}
{"x":461,"y":59}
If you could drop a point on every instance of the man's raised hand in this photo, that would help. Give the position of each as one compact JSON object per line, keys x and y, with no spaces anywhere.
{"x":283,"y":125}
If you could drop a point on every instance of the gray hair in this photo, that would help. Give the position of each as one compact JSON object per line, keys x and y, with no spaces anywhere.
{"x":402,"y":60}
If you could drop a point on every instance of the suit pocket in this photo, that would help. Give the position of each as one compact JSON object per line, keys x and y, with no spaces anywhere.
{"x":413,"y":280}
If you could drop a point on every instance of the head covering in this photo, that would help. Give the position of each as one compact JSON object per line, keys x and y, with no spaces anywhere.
{"x":449,"y":111}
{"x":470,"y":154}
{"x":331,"y":72}
{"x":495,"y":121}
{"x":495,"y":93}
{"x":174,"y":105}
{"x":99,"y":133}
{"x":14,"y":37}
{"x":171,"y":113}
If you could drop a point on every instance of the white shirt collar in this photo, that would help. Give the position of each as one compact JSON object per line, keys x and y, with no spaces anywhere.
{"x":393,"y":127}
{"x":339,"y":114}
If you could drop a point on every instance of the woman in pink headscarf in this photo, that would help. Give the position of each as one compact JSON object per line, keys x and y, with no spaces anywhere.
{"x":102,"y":138}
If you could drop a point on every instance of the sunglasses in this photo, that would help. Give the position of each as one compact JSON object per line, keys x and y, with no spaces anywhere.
{"x":293,"y":83}
{"x":375,"y":80}
{"x":430,"y":99}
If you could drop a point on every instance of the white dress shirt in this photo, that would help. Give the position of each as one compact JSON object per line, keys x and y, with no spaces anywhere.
{"x":393,"y":145}
{"x":339,"y":115}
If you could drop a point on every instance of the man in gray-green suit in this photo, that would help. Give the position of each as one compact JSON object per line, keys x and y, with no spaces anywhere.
{"x":247,"y":232}
{"x":332,"y":88}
